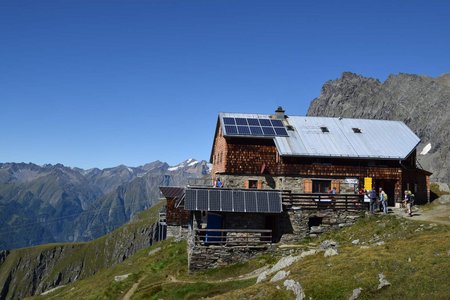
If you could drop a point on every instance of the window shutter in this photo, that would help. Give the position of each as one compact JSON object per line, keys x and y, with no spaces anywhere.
{"x":307,"y":186}
{"x":260,"y":185}
{"x":335,"y":184}
{"x":246,"y":184}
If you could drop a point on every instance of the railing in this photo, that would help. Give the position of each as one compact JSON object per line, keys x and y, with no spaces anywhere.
{"x":346,"y":202}
{"x":233,"y":237}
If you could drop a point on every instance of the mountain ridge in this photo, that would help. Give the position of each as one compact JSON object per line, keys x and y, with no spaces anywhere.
{"x":54,"y":203}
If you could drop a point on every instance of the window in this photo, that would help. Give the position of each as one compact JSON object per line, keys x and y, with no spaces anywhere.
{"x":321,"y":186}
{"x":253,"y":184}
{"x":324,"y":129}
{"x":356,"y":130}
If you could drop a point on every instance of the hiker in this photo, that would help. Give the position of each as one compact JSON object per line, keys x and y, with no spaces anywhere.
{"x":219,"y":183}
{"x":383,"y":200}
{"x":407,"y":202}
{"x":373,"y":200}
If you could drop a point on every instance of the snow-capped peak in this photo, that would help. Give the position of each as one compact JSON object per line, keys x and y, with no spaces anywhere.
{"x":185,"y":164}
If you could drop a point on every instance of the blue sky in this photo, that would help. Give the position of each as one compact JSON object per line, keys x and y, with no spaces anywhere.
{"x":103,"y":83}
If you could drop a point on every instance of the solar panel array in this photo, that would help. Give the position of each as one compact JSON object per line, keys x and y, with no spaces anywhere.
{"x":254,"y":127}
{"x":233,"y":200}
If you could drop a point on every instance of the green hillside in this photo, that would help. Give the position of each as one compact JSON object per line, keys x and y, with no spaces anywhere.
{"x":28,"y":271}
{"x":413,"y":256}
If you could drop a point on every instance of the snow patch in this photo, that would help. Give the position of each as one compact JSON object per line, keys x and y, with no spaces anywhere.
{"x":426,"y":149}
{"x":193,"y":163}
{"x":175,"y":168}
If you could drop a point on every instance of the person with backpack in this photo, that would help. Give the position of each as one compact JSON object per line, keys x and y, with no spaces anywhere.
{"x":407,"y":201}
{"x":383,"y":200}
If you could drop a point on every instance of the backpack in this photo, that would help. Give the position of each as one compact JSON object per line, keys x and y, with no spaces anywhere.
{"x":385,"y":197}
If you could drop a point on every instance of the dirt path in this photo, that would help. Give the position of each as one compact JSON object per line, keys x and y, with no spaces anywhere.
{"x":173,"y":279}
{"x":131,"y":291}
{"x":437,"y":214}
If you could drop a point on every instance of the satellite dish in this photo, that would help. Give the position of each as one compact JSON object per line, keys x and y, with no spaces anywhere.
{"x":426,"y":149}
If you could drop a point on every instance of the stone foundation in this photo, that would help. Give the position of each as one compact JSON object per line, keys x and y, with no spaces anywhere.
{"x":177,"y":232}
{"x":202,"y":258}
{"x":310,"y":223}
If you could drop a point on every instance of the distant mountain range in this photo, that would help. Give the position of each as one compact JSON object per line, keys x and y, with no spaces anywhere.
{"x":54,"y":203}
{"x":423,"y":103}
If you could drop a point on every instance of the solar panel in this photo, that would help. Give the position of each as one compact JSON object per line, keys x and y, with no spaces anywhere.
{"x":274,"y":201}
{"x":253,"y":127}
{"x":244,"y":130}
{"x":256,"y":130}
{"x":202,"y":200}
{"x":263,"y":202}
{"x":238,"y":201}
{"x":250,"y":202}
{"x":268,"y":131}
{"x":277,"y":123}
{"x":265,"y":122}
{"x":214,"y":200}
{"x":228,"y":121}
{"x":280,"y":131}
{"x":241,"y":121}
{"x":253,"y":122}
{"x":226,"y":198}
{"x":231,"y":129}
{"x":190,"y":202}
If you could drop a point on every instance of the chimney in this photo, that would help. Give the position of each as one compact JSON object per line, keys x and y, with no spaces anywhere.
{"x":279,"y":113}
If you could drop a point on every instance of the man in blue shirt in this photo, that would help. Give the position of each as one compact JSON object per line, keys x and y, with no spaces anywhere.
{"x":373,"y":200}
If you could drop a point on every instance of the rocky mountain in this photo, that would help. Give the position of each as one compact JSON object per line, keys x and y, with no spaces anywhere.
{"x":54,"y":203}
{"x":423,"y":103}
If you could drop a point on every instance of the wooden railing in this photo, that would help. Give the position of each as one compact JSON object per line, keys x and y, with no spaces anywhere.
{"x":233,"y":237}
{"x":346,"y":202}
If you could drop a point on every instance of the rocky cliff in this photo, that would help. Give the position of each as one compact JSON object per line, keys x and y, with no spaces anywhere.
{"x":423,"y":103}
{"x":31,"y":271}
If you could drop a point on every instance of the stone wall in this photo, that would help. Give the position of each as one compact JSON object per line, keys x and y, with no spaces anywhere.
{"x":177,"y":232}
{"x":292,"y":183}
{"x":202,"y":258}
{"x":310,"y":223}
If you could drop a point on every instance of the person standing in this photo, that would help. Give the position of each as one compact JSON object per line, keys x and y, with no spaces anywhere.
{"x":407,"y":201}
{"x":373,"y":200}
{"x":383,"y":200}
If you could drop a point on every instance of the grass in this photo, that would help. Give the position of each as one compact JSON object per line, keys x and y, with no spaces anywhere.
{"x":413,"y":256}
{"x":414,"y":259}
{"x":89,"y":256}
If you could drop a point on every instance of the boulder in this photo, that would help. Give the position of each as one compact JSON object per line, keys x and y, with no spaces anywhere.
{"x":295,"y":287}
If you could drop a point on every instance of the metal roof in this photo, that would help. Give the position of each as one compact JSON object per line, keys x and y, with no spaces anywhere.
{"x":377,"y":139}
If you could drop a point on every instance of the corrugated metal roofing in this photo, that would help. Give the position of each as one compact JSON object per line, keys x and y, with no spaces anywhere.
{"x":378,"y":139}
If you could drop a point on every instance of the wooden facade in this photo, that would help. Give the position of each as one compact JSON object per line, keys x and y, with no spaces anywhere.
{"x":176,"y":216}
